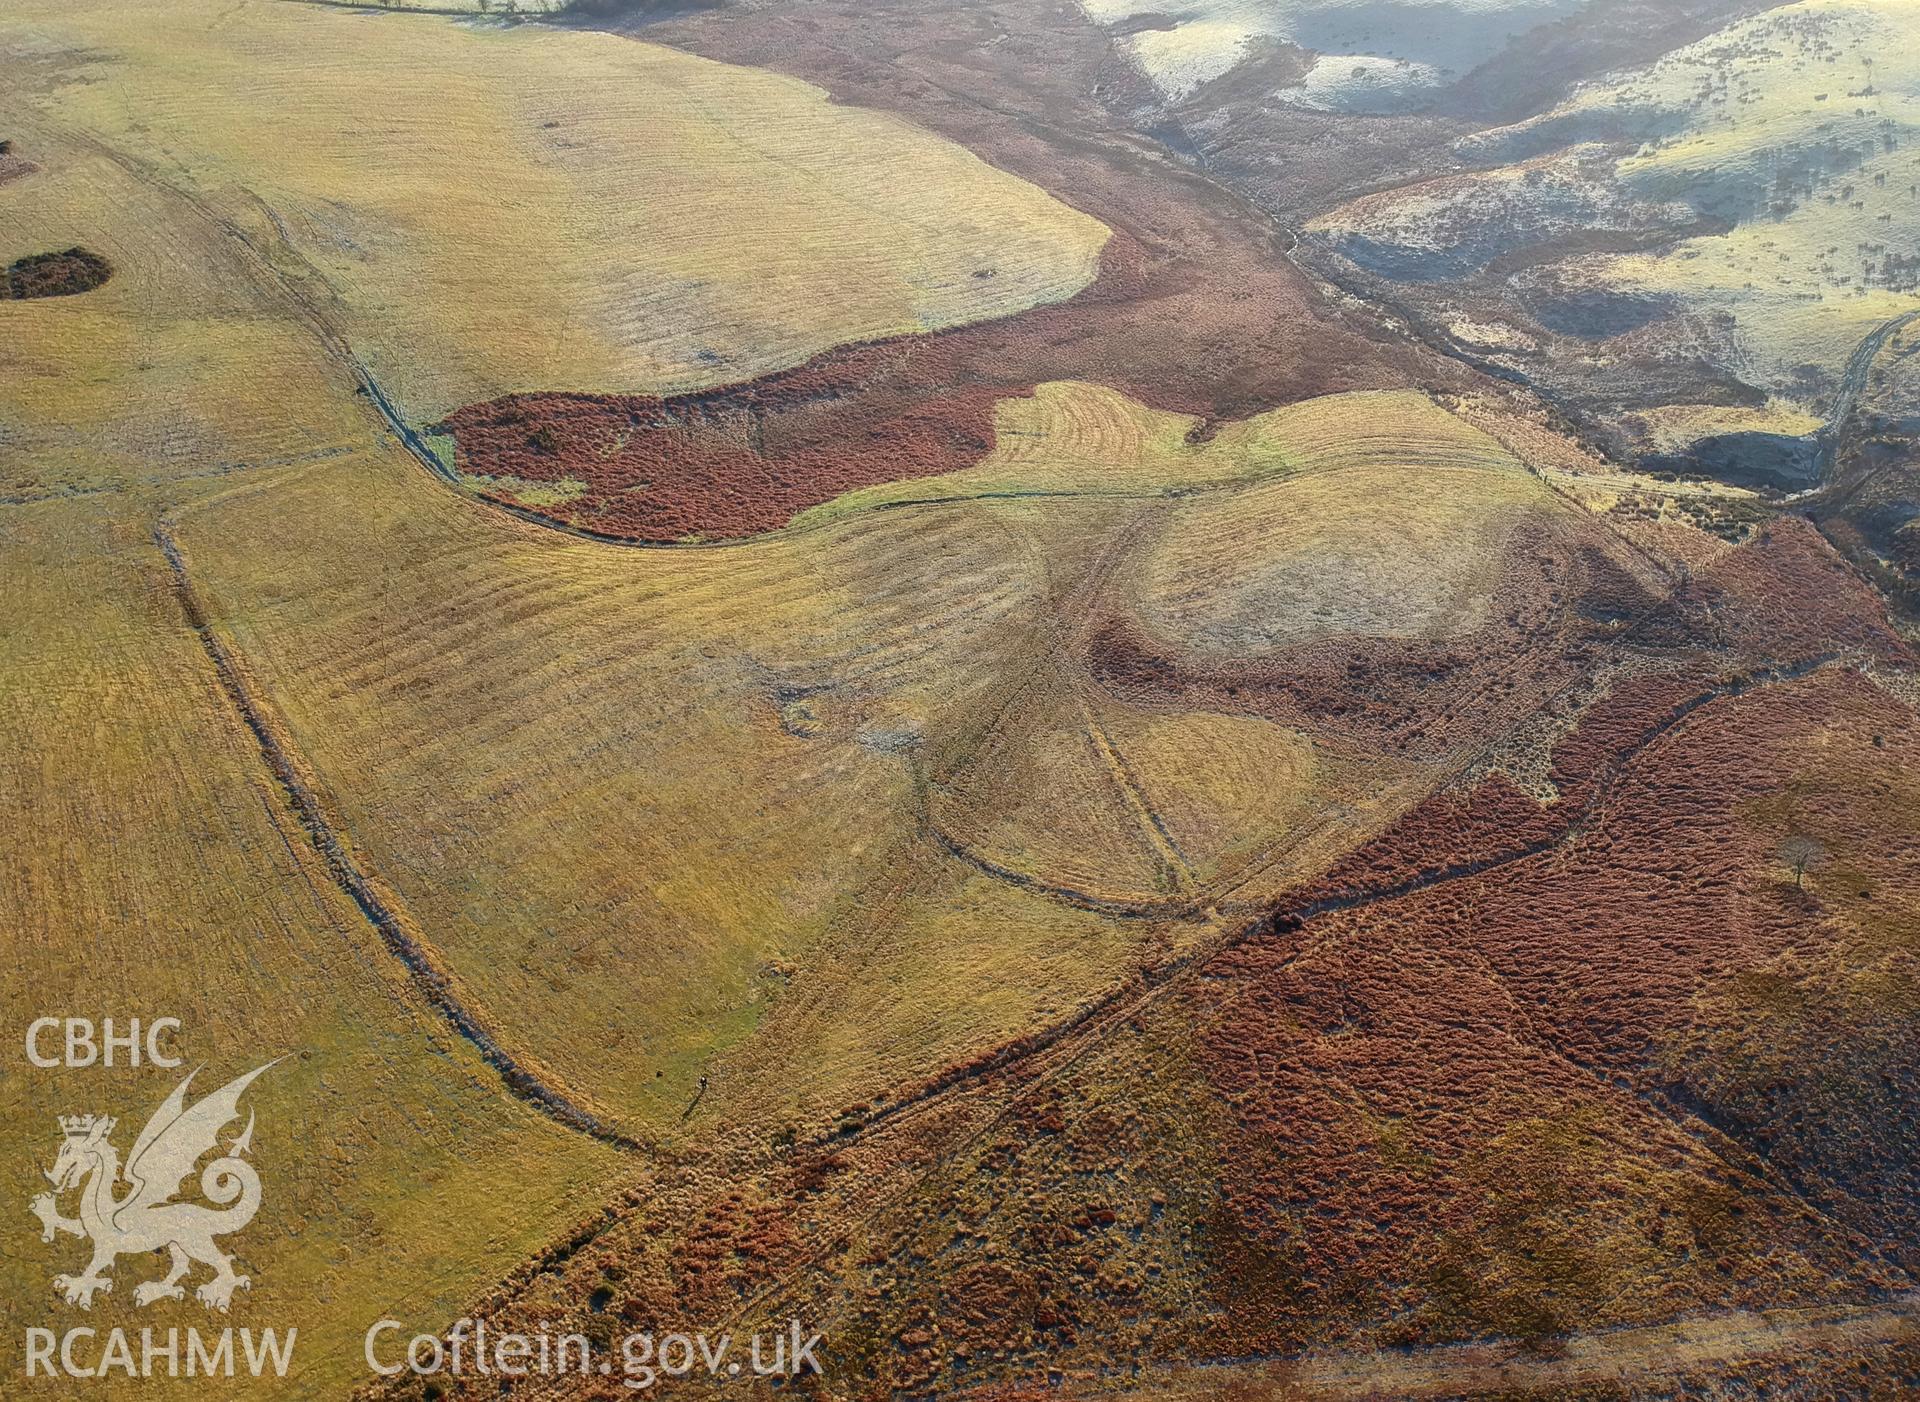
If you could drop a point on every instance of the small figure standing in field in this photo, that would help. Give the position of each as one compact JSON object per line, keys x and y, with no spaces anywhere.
{"x":699,"y":1091}
{"x":1799,"y":853}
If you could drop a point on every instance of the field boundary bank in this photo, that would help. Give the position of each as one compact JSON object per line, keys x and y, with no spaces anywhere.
{"x":422,"y":967}
{"x":1284,"y":917}
{"x":1129,"y":999}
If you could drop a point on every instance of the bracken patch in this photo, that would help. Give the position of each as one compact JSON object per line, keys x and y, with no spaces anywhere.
{"x":63,"y":274}
{"x":745,"y":458}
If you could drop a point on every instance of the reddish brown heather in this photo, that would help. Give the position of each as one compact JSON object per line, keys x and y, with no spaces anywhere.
{"x":1536,"y":1067}
{"x":1790,"y":587}
{"x":1421,"y":1086}
{"x":1452,"y":1113}
{"x":748,"y":457}
{"x":737,"y":461}
{"x":1195,"y":310}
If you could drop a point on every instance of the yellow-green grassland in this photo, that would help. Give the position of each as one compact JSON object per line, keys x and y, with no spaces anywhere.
{"x":1217,"y":844}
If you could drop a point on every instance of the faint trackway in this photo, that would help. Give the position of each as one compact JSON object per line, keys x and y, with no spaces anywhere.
{"x":348,"y":874}
{"x":1078,"y":1034}
{"x":1589,"y":1357}
{"x":338,"y":347}
{"x":433,"y":983}
{"x":1180,"y":910}
{"x":1205,"y":904}
{"x":1122,"y":1001}
{"x":1106,"y":752}
{"x":1153,"y":827}
{"x":1098,"y":1017}
{"x":214,"y":471}
{"x":333,"y":340}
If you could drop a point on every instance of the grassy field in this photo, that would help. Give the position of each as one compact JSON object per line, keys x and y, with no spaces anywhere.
{"x":480,"y":210}
{"x":1322,"y":554}
{"x":187,"y":367}
{"x":291,"y":200}
{"x":1071,"y":438}
{"x":588,"y":771}
{"x":154,"y":871}
{"x":560,"y":869}
{"x":1458,"y":1110}
{"x":154,"y":867}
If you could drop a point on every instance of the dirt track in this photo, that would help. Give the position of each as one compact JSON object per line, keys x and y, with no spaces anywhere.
{"x":1023,"y":1066}
{"x":1853,"y":383}
{"x":1627,"y":1358}
{"x":1125,"y":1002}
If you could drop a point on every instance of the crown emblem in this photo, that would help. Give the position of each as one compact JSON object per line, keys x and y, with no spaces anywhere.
{"x":176,"y":1138}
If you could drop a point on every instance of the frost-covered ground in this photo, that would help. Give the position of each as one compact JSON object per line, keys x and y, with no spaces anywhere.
{"x":1764,"y":181}
{"x":1369,"y":55}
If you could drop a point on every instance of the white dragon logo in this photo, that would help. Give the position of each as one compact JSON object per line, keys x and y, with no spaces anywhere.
{"x":174,"y":1140}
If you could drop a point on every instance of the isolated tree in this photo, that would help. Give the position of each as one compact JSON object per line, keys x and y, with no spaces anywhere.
{"x":1799,"y":853}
